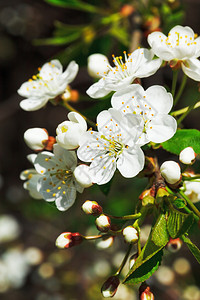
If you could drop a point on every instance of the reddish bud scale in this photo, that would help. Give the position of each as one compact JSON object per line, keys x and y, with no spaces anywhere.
{"x":145,"y":292}
{"x":97,"y":210}
{"x":110,"y":286}
{"x":174,"y":245}
{"x":49,"y":143}
{"x":74,"y":97}
{"x":127,"y":10}
{"x":145,"y":194}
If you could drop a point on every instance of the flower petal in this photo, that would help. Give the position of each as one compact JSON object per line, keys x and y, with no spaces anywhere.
{"x":68,"y":158}
{"x":157,"y":41}
{"x":159,"y":99}
{"x":161,"y":128}
{"x":98,"y":89}
{"x":77,"y":118}
{"x":32,"y":104}
{"x":65,"y":201}
{"x":71,"y":72}
{"x":193,"y":68}
{"x":131,"y":162}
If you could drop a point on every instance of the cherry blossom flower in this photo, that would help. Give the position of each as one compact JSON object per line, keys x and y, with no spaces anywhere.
{"x":112,"y":147}
{"x":187,"y":156}
{"x":69,"y":132}
{"x":192,"y":189}
{"x":50,"y":82}
{"x":171,"y":171}
{"x":181,"y":45}
{"x":149,"y":109}
{"x":138,"y":64}
{"x":31,"y":176}
{"x":58,"y":182}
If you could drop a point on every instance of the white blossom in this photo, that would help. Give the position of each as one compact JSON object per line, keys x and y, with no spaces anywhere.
{"x":187,"y":156}
{"x":112,"y":147}
{"x":103,"y":222}
{"x":192,"y":189}
{"x":69,"y":132}
{"x":35,"y":138}
{"x":31,"y":176}
{"x":138,"y":64}
{"x":171,"y":171}
{"x":130,"y":234}
{"x":149,"y":109}
{"x":57,"y":182}
{"x":97,"y":65}
{"x":181,"y":45}
{"x":50,"y":82}
{"x":81,"y":173}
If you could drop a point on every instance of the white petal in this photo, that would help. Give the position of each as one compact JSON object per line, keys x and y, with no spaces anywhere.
{"x":97,"y":65}
{"x":159,"y":99}
{"x":33,"y":104}
{"x":77,"y":118}
{"x":98,"y":89}
{"x":102,"y":169}
{"x":157,"y":41}
{"x":68,"y":158}
{"x":71,"y":72}
{"x":81,"y":173}
{"x":131,"y":162}
{"x":31,"y":186}
{"x":90,"y":145}
{"x":161,"y":128}
{"x":64,"y":202}
{"x":193,"y":68}
{"x":197,"y":41}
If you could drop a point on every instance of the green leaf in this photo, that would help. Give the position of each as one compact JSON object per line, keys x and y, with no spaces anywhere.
{"x":179,"y":203}
{"x":183,"y":138}
{"x":73,"y":4}
{"x":151,"y":255}
{"x":105,"y":188}
{"x":159,"y":233}
{"x":192,"y":247}
{"x":59,"y":40}
{"x":178,"y":223}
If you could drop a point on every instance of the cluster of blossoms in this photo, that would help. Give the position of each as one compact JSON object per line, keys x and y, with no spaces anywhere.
{"x":137,"y":117}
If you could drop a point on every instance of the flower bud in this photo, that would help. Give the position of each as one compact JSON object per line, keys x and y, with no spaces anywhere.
{"x":145,"y":292}
{"x":97,"y":65}
{"x":132,"y":260}
{"x":68,"y":240}
{"x":92,"y":208}
{"x":105,"y":242}
{"x":187,"y":156}
{"x":103,"y":223}
{"x":174,"y":245}
{"x":82,"y":176}
{"x":109,"y":288}
{"x":36,"y":138}
{"x":171,"y":171}
{"x":130,"y":234}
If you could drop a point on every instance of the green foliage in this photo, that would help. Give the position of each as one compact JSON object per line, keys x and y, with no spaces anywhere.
{"x":178,"y":223}
{"x":179,"y":203}
{"x":183,"y":138}
{"x":151,"y":255}
{"x":192,"y":247}
{"x":73,"y":4}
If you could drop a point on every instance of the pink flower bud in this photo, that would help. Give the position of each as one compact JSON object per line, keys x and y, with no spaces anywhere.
{"x":103,"y":223}
{"x":110,"y":286}
{"x":145,"y":292}
{"x":174,"y":245}
{"x":130,"y":234}
{"x":92,"y":208}
{"x":68,"y":240}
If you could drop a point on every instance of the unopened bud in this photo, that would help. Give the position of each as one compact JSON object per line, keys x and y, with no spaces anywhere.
{"x":145,"y":292}
{"x":92,"y":208}
{"x":174,"y":245}
{"x":127,"y":10}
{"x":171,"y":171}
{"x":103,"y":223}
{"x":130,"y":234}
{"x":97,"y":65}
{"x":110,"y":286}
{"x":187,"y":156}
{"x":145,"y":193}
{"x":82,"y":176}
{"x":132,"y":260}
{"x":49,"y":143}
{"x":105,"y":242}
{"x":35,"y":138}
{"x":68,"y":239}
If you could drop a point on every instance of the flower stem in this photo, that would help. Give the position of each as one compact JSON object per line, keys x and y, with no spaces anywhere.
{"x":183,"y":110}
{"x":174,"y":81}
{"x":70,"y":108}
{"x":191,"y":178}
{"x":128,"y":217}
{"x":195,"y":210}
{"x":124,"y":260}
{"x":185,"y":114}
{"x":184,"y":80}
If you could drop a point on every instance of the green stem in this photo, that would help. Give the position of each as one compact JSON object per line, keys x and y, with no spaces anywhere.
{"x":184,"y":80}
{"x":128,"y":217}
{"x":191,"y":212}
{"x":124,"y":260}
{"x":185,"y":114}
{"x":195,"y":210}
{"x":70,"y":108}
{"x":137,"y":225}
{"x":183,"y":110}
{"x":174,"y":81}
{"x":190,"y":178}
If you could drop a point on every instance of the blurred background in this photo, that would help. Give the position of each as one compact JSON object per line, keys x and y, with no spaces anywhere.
{"x":31,"y":33}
